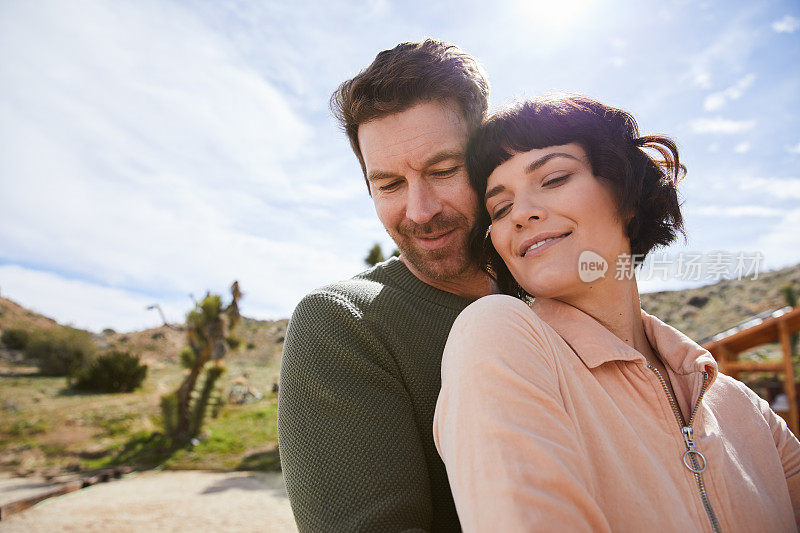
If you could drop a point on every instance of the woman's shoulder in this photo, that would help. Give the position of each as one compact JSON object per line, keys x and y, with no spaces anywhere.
{"x":498,"y":328}
{"x":498,"y":311}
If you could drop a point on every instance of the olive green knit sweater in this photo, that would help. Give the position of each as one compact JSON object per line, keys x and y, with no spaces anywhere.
{"x":360,"y":375}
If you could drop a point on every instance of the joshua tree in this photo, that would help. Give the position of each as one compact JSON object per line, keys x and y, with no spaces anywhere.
{"x":208,"y":330}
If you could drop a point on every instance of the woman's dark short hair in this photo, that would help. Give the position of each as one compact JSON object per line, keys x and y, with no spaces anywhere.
{"x":642,"y":171}
{"x":406,"y":75}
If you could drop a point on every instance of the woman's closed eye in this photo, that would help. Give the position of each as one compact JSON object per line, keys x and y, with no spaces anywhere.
{"x":500,"y":210}
{"x":556,"y":180}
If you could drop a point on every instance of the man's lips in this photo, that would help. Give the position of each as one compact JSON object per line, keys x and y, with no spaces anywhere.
{"x":432,"y":241}
{"x":541,"y":242}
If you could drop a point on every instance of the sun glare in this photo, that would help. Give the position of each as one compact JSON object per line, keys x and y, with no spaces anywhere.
{"x":556,"y":14}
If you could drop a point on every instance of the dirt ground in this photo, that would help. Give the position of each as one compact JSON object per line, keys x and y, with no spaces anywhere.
{"x":157,"y":501}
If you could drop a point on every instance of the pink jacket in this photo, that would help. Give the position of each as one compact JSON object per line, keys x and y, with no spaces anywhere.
{"x":551,"y":422}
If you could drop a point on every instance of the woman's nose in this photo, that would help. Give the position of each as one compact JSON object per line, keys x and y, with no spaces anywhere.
{"x":526,"y":213}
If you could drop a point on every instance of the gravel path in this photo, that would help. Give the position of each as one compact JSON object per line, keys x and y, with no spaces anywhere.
{"x":164,"y":501}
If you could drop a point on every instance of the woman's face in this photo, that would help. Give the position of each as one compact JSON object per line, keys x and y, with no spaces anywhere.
{"x":547,"y":209}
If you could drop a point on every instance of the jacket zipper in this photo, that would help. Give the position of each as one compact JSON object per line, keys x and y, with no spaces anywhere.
{"x":691,"y":457}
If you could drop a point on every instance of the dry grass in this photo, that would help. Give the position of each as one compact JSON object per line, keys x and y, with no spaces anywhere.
{"x":47,"y":428}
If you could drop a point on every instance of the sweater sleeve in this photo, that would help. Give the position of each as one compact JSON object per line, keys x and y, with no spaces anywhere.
{"x":350,"y":449}
{"x":511,"y":451}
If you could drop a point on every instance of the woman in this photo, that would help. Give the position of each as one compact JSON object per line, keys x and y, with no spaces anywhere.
{"x":581,"y":412}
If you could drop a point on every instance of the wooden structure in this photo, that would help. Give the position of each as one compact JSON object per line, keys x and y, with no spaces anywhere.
{"x":778,"y":327}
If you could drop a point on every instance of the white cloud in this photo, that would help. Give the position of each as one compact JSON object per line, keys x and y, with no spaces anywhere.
{"x":742,"y":147}
{"x":701,"y":78}
{"x":727,"y":52}
{"x":794,"y":149}
{"x":83,"y":304}
{"x":618,"y":61}
{"x":788,"y":24}
{"x":146,"y":153}
{"x":736,"y":211}
{"x":783,"y":188}
{"x":718,"y":100}
{"x":619,"y":43}
{"x":721,"y":125}
{"x":780,"y":242}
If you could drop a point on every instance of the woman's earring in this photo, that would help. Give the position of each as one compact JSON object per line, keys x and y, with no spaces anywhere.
{"x":488,"y":231}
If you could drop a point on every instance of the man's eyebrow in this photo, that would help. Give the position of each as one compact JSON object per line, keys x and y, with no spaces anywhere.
{"x":534,"y":165}
{"x":378,"y":175}
{"x":443,"y":156}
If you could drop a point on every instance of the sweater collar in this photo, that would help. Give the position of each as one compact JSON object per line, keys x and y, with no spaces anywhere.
{"x":596,"y":345}
{"x":403,"y":278}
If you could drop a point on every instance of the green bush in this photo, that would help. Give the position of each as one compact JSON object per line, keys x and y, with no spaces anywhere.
{"x":60,"y":352}
{"x":15,"y":339}
{"x":233,"y":342}
{"x":113,"y":371}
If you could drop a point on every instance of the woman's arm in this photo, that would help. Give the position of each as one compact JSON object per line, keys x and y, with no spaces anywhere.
{"x":510,"y":448}
{"x":789,"y":451}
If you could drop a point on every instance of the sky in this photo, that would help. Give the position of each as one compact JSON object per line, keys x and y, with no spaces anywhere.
{"x":153,"y":150}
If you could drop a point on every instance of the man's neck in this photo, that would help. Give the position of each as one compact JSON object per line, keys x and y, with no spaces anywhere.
{"x":472,"y":283}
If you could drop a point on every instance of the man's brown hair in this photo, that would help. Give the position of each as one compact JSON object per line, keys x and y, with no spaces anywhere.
{"x":408,"y":74}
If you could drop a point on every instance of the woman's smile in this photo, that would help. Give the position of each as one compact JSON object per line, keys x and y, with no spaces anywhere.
{"x":541,"y":242}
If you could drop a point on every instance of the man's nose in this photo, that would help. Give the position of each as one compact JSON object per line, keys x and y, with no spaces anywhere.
{"x":422,"y":203}
{"x":526,"y":212}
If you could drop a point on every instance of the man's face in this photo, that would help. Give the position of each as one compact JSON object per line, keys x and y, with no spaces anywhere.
{"x":415,"y":169}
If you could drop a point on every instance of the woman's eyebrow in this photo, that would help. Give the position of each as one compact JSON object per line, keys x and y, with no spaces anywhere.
{"x":494,"y":191}
{"x":533,"y":165}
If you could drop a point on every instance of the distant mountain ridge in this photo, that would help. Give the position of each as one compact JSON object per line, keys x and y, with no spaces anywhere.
{"x":705,"y":311}
{"x":699,"y":313}
{"x":260,"y":339}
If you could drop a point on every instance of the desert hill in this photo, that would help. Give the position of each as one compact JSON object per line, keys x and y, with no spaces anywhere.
{"x":261,"y":340}
{"x":699,"y":312}
{"x":705,"y":311}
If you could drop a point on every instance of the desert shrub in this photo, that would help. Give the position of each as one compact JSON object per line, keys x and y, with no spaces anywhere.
{"x":15,"y":338}
{"x":60,"y":352}
{"x":233,"y":342}
{"x":112,"y":371}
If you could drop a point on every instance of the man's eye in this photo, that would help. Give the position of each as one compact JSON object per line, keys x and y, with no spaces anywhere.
{"x":444,"y":172}
{"x":555,"y":180}
{"x":390,"y":186}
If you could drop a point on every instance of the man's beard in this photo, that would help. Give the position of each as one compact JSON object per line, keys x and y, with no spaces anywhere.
{"x":443,"y":263}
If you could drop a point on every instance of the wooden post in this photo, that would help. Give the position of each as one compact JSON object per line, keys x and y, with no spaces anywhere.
{"x":726,"y":357}
{"x":788,"y":376}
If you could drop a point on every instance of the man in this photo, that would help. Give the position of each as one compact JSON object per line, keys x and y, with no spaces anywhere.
{"x":360,"y":371}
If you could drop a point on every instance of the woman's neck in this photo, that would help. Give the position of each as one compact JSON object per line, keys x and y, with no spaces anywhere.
{"x":615,"y":304}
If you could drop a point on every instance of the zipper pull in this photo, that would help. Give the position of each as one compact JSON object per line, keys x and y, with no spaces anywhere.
{"x":692,"y":457}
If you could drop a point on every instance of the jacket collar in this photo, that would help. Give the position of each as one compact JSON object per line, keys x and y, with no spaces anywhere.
{"x":596,"y":345}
